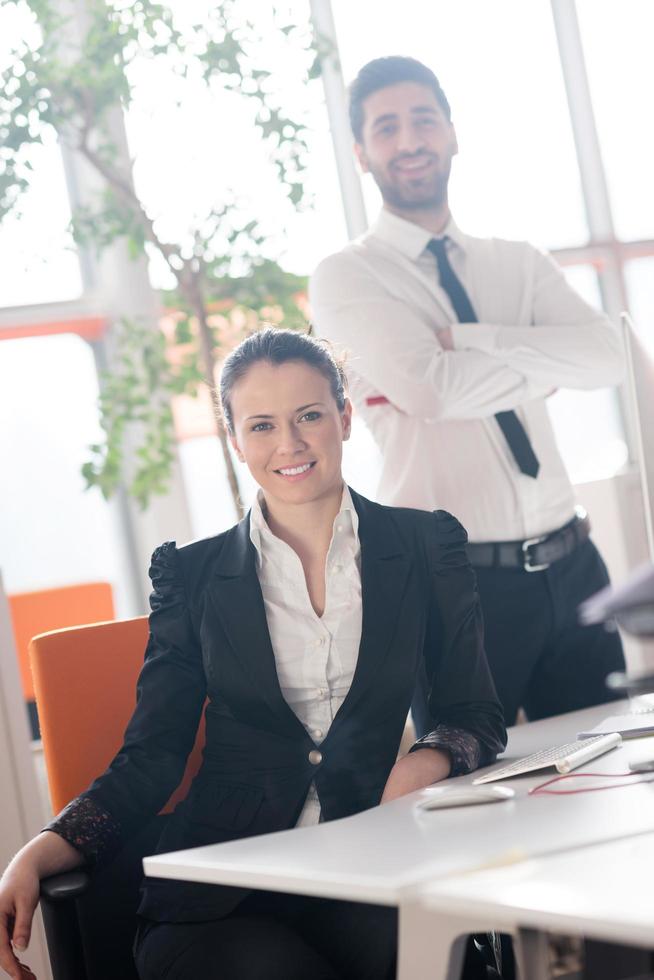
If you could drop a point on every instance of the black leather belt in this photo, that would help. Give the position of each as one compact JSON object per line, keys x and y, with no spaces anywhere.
{"x":533,"y":554}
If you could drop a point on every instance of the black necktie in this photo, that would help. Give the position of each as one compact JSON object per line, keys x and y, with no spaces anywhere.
{"x":511,"y":426}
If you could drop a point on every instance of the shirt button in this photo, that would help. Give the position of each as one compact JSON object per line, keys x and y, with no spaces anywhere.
{"x":320,"y":642}
{"x":315,"y":757}
{"x":317,"y":733}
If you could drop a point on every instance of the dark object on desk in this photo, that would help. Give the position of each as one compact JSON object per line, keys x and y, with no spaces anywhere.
{"x":631,"y":604}
{"x":631,"y":684}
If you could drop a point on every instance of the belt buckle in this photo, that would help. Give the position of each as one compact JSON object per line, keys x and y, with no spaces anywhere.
{"x":527,"y":564}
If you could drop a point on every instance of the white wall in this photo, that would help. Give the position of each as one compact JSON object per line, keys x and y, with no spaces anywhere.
{"x":21,"y":816}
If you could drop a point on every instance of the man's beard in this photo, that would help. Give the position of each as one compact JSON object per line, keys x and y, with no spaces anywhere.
{"x":424,"y":197}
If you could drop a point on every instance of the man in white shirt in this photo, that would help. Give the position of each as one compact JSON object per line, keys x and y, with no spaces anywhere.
{"x":454,"y":343}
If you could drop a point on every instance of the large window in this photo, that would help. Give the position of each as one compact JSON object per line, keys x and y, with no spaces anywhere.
{"x":37,"y":258}
{"x":639,"y":275}
{"x":52,"y":531}
{"x":516,"y":175}
{"x":206,"y":146}
{"x":618,"y":52}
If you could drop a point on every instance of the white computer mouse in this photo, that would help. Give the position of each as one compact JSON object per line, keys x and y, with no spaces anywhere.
{"x":439,"y":797}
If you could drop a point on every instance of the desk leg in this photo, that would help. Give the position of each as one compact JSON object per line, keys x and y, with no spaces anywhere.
{"x":532,"y":954}
{"x":431,"y":945}
{"x":607,"y":961}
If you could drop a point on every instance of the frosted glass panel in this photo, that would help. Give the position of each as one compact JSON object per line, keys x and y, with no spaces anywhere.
{"x":617,"y":40}
{"x":516,"y":175}
{"x":639,"y":276}
{"x":587,"y":424}
{"x":37,"y":259}
{"x":52,"y":531}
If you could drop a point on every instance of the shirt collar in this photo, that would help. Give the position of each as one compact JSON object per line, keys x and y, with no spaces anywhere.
{"x":263,"y":539}
{"x":410,"y":239}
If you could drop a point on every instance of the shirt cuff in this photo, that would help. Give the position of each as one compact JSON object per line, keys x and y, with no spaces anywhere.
{"x":88,"y":828}
{"x":462,"y":747}
{"x":478,"y":336}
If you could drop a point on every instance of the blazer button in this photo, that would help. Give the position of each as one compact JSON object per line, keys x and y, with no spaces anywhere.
{"x":315,"y":757}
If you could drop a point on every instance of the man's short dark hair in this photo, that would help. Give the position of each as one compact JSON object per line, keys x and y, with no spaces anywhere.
{"x":383,"y":72}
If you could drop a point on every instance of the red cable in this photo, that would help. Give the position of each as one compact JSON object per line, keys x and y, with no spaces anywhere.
{"x":541,"y":788}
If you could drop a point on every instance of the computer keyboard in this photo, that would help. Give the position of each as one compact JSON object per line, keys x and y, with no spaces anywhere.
{"x":564,"y":758}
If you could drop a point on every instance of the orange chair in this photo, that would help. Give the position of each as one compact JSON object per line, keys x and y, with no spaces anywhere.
{"x":85,"y":684}
{"x":51,"y":609}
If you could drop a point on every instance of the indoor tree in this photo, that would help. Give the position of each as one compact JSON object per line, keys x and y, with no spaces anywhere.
{"x":219,"y":267}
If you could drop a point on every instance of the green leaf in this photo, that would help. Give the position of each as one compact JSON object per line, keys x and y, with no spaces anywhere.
{"x":226,"y":257}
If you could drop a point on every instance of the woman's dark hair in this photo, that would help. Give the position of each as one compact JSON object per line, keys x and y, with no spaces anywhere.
{"x":278,"y":347}
{"x":383,"y":72}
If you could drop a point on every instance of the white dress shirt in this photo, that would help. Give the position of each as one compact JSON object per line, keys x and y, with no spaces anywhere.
{"x":379,"y":299}
{"x":315,"y":656}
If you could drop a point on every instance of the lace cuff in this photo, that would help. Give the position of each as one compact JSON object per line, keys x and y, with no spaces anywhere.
{"x":462,"y":747}
{"x":89,"y":828}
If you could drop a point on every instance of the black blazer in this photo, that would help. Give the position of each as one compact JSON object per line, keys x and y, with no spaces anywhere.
{"x":209,"y":639}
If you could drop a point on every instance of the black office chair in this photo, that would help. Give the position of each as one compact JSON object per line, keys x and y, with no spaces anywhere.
{"x":90,"y":920}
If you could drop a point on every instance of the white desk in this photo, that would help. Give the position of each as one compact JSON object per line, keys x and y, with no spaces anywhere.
{"x":601,"y":892}
{"x":381,"y":855}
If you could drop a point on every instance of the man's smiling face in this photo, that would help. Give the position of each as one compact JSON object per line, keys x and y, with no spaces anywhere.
{"x":407,"y":144}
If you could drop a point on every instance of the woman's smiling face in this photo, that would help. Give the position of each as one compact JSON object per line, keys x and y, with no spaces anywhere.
{"x":289,"y":430}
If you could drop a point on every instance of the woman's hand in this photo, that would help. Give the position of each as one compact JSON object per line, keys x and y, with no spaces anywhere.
{"x":20,"y":885}
{"x":415,"y":771}
{"x":19,"y":896}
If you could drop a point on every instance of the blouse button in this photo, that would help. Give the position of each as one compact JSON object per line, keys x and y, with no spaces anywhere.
{"x":315,"y":757}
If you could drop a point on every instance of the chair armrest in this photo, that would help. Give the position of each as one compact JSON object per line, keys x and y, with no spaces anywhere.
{"x":59,"y":888}
{"x":61,"y":922}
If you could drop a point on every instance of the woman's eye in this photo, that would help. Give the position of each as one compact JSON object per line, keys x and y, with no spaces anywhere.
{"x":261,"y":427}
{"x":310,"y":416}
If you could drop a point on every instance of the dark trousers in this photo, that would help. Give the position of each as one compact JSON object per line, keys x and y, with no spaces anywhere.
{"x":270,"y":936}
{"x":541,"y":659}
{"x":274,"y":937}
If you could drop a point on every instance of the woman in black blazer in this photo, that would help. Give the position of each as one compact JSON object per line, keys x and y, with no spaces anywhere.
{"x":264,"y":768}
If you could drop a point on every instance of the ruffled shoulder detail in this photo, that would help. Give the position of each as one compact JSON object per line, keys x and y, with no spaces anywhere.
{"x":448,"y":542}
{"x":165,"y":576}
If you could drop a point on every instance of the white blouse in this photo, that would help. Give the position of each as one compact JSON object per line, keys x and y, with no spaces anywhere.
{"x":315,"y":656}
